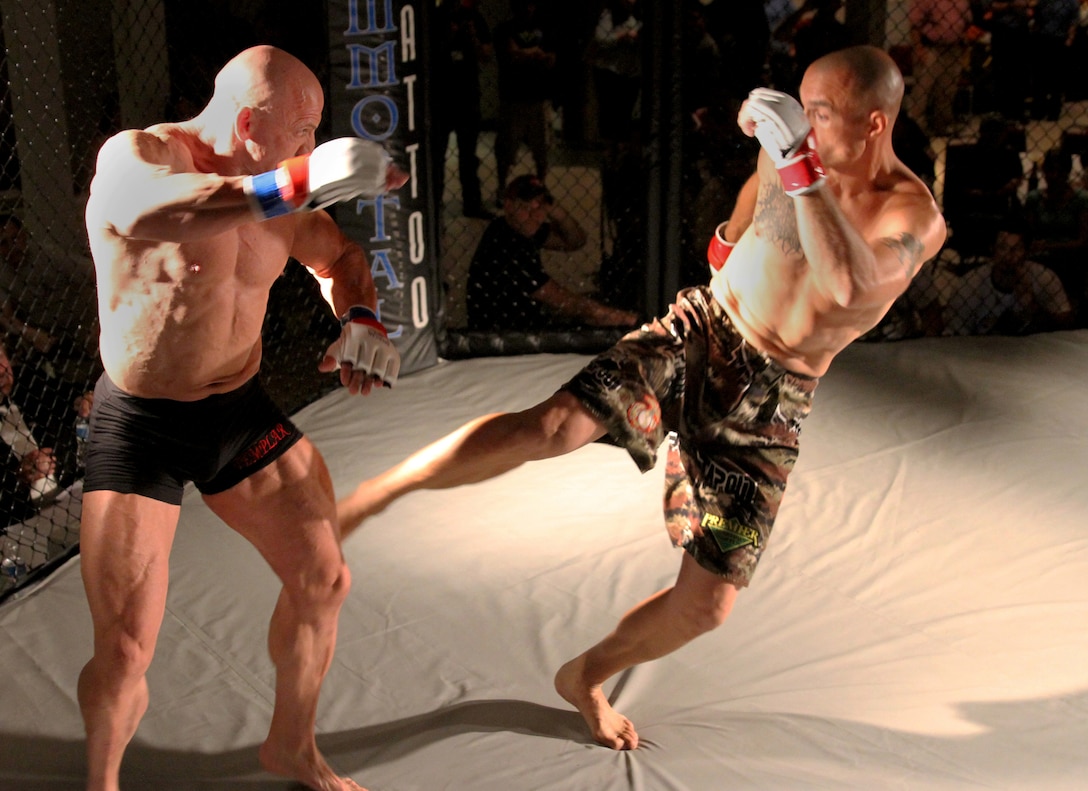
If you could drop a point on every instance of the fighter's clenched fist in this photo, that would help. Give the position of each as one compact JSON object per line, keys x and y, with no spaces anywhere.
{"x":778,"y":122}
{"x":338,"y":170}
{"x":363,"y":352}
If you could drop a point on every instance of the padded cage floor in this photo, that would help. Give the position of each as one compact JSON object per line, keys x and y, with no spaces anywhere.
{"x":917,"y":622}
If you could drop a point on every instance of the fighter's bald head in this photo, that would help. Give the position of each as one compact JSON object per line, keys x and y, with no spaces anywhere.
{"x":257,"y":76}
{"x":876,"y":82}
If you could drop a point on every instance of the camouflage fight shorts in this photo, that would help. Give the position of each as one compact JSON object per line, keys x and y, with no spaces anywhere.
{"x":733,"y":416}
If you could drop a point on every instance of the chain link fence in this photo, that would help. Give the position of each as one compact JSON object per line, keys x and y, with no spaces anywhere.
{"x":992,"y":92}
{"x":585,"y":153}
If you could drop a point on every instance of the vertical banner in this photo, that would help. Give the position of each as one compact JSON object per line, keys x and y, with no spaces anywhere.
{"x":377,"y":56}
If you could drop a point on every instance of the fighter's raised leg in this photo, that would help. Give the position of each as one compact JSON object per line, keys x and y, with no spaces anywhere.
{"x":481,"y":449}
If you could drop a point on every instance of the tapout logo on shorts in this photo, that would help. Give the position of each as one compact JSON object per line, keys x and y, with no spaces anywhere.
{"x":724,"y":480}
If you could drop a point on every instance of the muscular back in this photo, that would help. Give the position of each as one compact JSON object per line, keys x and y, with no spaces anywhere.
{"x":181,"y":306}
{"x":804,"y":312}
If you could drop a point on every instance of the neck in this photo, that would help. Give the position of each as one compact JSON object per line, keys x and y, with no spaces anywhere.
{"x":212,"y":151}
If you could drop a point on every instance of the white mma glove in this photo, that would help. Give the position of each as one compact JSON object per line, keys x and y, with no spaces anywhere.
{"x":784,"y":132}
{"x":365,"y":346}
{"x":338,"y":170}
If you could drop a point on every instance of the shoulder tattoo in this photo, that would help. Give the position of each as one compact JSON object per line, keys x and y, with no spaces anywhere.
{"x":777,"y":218}
{"x":907,"y":249}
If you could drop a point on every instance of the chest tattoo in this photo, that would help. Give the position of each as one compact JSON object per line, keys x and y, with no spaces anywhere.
{"x":776,"y":219}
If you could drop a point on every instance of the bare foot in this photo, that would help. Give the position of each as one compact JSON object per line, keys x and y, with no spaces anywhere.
{"x":608,"y":726}
{"x":309,"y":770}
{"x":356,"y":507}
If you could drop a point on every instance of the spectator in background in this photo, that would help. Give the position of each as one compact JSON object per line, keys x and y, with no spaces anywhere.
{"x":779,"y":58}
{"x":915,"y":148}
{"x":1077,"y":89}
{"x":938,"y":31}
{"x":1007,"y":21}
{"x":1057,"y":218}
{"x":28,"y":470}
{"x":617,"y":68}
{"x":464,"y":41}
{"x":981,"y":183}
{"x":718,"y":157}
{"x":1053,"y":29}
{"x":811,"y":32}
{"x":49,"y":327}
{"x":526,"y":59}
{"x":1004,"y":295}
{"x":508,"y":288}
{"x":48,"y":311}
{"x":742,"y":32}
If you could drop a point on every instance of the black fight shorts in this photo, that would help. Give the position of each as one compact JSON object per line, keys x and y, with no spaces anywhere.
{"x":153,"y":446}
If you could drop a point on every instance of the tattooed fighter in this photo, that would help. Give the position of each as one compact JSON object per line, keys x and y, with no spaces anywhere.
{"x":839,"y":226}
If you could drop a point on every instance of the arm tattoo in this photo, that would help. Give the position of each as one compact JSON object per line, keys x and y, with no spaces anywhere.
{"x":776,"y":218}
{"x":907,"y":249}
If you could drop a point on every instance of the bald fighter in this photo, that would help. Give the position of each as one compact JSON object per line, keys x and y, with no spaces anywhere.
{"x":839,"y":226}
{"x":190,"y":224}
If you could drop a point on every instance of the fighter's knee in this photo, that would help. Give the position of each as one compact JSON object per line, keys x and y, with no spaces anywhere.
{"x":125,"y":654}
{"x":708,"y":615}
{"x":326,"y":583}
{"x":707,"y":619}
{"x":559,"y":425}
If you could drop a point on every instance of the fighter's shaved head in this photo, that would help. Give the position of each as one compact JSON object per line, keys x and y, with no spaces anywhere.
{"x":248,"y":79}
{"x":876,"y":80}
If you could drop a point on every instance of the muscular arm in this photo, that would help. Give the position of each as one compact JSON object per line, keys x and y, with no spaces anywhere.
{"x":743,"y":210}
{"x":855,"y":268}
{"x":564,"y":231}
{"x":851,"y":270}
{"x":146,"y":187}
{"x":339,"y":264}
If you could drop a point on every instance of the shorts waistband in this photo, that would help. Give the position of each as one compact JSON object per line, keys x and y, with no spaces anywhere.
{"x":213,"y":400}
{"x":729,"y":329}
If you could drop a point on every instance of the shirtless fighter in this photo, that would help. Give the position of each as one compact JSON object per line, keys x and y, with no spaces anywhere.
{"x":732,"y":368}
{"x":190,"y":224}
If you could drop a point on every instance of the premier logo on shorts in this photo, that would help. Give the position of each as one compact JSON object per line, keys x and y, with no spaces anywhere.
{"x":729,"y":534}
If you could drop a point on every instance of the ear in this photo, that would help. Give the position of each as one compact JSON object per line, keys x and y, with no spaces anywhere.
{"x":243,"y":124}
{"x":878,"y":123}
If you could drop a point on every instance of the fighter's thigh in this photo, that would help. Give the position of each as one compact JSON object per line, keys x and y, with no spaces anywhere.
{"x":287,"y":510}
{"x":124,"y":547}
